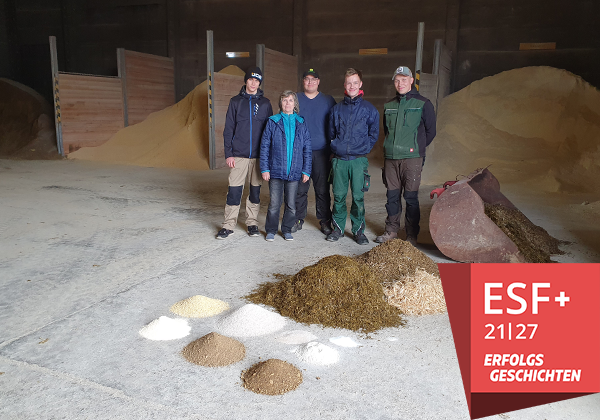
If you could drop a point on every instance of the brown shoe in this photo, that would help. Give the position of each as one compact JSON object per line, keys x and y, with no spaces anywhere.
{"x":386,"y":237}
{"x":412,"y":240}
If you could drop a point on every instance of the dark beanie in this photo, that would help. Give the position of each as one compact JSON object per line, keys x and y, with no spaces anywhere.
{"x":253,"y":72}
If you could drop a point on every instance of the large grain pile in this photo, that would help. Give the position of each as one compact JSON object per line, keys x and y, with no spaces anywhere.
{"x":272,"y":377}
{"x":26,"y":123}
{"x":538,"y":125}
{"x":411,"y":280}
{"x":337,"y":291}
{"x":214,"y":350}
{"x":533,"y":242}
{"x":175,"y":137}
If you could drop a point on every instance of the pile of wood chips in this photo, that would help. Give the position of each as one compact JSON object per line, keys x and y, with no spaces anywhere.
{"x":411,"y":280}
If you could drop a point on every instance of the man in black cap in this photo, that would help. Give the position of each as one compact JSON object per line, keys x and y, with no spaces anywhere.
{"x":315,"y":107}
{"x":246,"y":119}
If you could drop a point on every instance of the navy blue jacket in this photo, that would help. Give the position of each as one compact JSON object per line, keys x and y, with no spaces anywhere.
{"x":273,"y":150}
{"x":353,"y":128}
{"x":246,"y":119}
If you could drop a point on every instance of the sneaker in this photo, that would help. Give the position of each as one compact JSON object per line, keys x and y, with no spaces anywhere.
{"x":270,"y":237}
{"x":253,"y":230}
{"x":334,"y":235}
{"x":288,"y":237}
{"x":297,"y":226}
{"x":386,"y":237}
{"x":224,"y":233}
{"x":411,"y":240}
{"x":360,"y":238}
{"x":326,"y":227}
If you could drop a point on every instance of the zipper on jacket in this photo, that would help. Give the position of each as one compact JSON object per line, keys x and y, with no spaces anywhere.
{"x":250,"y":151}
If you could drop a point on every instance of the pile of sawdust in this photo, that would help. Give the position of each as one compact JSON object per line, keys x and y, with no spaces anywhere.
{"x":395,"y":259}
{"x":418,"y":294}
{"x":337,"y":291}
{"x":538,"y":125}
{"x":176,"y":137}
{"x":272,"y":377}
{"x":214,"y":350}
{"x":26,"y":123}
{"x":533,"y":242}
{"x":411,"y":280}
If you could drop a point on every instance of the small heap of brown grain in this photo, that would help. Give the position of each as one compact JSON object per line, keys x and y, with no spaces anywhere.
{"x":214,"y":350}
{"x":337,"y":291}
{"x":533,"y":242}
{"x":272,"y":377}
{"x":411,"y":280}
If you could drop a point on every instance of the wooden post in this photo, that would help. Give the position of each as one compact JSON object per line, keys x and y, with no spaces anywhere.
{"x":122,"y":69}
{"x":419,"y":61}
{"x":210,"y":70}
{"x":260,"y":60}
{"x":437,"y":55}
{"x":56,"y":95}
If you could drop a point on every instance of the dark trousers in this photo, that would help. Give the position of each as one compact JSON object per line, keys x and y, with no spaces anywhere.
{"x":403,"y":176}
{"x":321,"y":166}
{"x":281,"y":190}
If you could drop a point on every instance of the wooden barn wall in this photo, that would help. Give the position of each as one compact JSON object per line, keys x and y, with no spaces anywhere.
{"x":491,"y":31}
{"x":280,"y":73}
{"x":150,"y":84}
{"x":225,"y":86}
{"x":91,"y":109}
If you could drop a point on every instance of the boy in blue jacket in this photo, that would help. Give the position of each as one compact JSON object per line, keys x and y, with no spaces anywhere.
{"x":354,"y":129}
{"x":285,"y":158}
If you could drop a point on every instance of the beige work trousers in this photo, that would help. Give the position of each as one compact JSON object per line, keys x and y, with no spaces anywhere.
{"x":245,"y":170}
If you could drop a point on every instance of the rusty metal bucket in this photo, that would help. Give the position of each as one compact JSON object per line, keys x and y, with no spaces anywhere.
{"x":460,"y":228}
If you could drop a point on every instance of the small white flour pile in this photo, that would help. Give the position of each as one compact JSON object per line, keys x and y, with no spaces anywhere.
{"x":317,"y":354}
{"x":199,"y":307}
{"x":344,"y":341}
{"x":296,"y":337}
{"x":165,"y":328}
{"x":249,"y":321}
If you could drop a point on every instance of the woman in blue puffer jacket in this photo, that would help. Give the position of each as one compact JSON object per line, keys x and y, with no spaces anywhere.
{"x":285,"y":159}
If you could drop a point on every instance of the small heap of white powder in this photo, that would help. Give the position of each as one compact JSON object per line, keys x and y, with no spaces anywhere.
{"x":296,"y":337}
{"x":344,"y":341}
{"x":199,"y":307}
{"x":165,"y":328}
{"x":317,"y":354}
{"x":249,"y":321}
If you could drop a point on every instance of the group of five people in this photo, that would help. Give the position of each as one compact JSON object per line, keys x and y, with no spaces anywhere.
{"x":312,"y":137}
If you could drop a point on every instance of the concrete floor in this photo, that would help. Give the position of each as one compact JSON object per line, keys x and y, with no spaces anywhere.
{"x":90,"y":253}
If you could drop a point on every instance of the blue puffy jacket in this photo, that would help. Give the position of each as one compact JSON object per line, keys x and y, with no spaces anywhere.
{"x":246,"y":118}
{"x":353,"y":128}
{"x":273,"y":150}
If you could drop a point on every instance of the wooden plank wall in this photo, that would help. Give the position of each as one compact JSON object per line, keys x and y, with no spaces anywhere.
{"x":280,"y":73}
{"x":225,"y":87}
{"x":428,"y":87}
{"x":91,"y":109}
{"x":150,"y":84}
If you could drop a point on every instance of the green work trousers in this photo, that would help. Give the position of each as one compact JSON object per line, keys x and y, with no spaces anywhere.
{"x":350,"y":172}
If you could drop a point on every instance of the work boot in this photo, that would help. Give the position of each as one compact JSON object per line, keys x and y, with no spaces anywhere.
{"x":335,"y":235}
{"x":297,"y":226}
{"x":412,"y":240}
{"x":326,"y":227}
{"x":224,"y":233}
{"x":253,"y":231}
{"x":360,"y":237}
{"x":386,"y":237}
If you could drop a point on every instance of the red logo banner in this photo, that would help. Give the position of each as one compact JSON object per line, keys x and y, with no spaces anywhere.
{"x":525,"y":334}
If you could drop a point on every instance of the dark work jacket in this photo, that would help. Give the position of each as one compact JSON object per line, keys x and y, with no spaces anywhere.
{"x":246,"y":119}
{"x":409,"y":125}
{"x":353,"y":128}
{"x":273,"y":150}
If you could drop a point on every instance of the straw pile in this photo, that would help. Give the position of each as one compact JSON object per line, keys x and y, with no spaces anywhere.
{"x":337,"y":291}
{"x":533,"y":242}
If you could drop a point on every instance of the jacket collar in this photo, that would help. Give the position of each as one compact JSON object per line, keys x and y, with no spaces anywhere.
{"x":277,"y":118}
{"x":244,"y":94}
{"x":357,"y":99}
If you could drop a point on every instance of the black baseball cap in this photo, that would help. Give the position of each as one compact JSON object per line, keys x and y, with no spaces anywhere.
{"x":310,"y":72}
